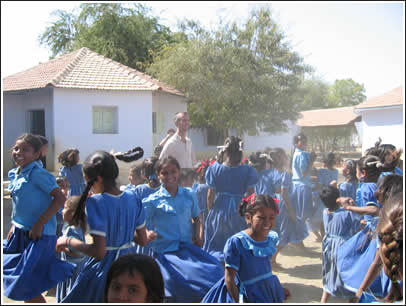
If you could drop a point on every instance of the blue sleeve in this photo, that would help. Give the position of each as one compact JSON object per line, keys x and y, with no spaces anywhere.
{"x":195,"y":205}
{"x":149,"y":209}
{"x":140,"y":222}
{"x":286,"y":180}
{"x":96,"y":216}
{"x":75,"y":233}
{"x":252,"y":177}
{"x":368,"y":196}
{"x":232,"y":254}
{"x":44,"y":180}
{"x":274,"y":238}
{"x":210,"y":178}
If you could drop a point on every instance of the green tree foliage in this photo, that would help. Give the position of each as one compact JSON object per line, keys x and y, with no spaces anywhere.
{"x":124,"y":33}
{"x":236,"y":77}
{"x":318,"y":94}
{"x":346,"y":93}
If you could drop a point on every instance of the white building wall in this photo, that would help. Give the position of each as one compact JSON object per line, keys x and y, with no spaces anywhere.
{"x":385,"y":123}
{"x":73,"y":120}
{"x":15,"y":119}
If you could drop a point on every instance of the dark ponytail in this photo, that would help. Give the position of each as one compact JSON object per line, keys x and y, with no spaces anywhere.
{"x":79,"y":216}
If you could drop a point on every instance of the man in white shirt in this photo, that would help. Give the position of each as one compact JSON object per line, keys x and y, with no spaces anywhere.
{"x":179,"y":145}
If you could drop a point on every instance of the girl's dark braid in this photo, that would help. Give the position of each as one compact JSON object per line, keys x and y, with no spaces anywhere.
{"x":390,"y":232}
{"x":79,"y":215}
{"x":370,"y":164}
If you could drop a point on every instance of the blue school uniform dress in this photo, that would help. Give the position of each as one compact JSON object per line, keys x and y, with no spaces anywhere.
{"x":397,"y":170}
{"x":31,"y":267}
{"x":224,"y":220}
{"x":64,"y":287}
{"x":302,"y":185}
{"x":339,"y":226}
{"x":325,"y":177}
{"x":348,"y":189}
{"x":143,"y":191}
{"x":356,"y":255}
{"x":75,"y":177}
{"x":289,"y":231}
{"x":251,"y":259}
{"x":115,"y":217}
{"x":187,"y":270}
{"x":201,"y":194}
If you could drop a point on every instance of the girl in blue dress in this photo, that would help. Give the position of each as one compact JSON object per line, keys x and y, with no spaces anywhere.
{"x":135,"y":177}
{"x":115,"y":219}
{"x":388,"y":186}
{"x":144,"y":190}
{"x":356,"y":254}
{"x":390,"y":232}
{"x":339,"y":226}
{"x":248,"y":276}
{"x":302,"y":164}
{"x":76,"y":230}
{"x":72,"y":170}
{"x":328,"y":175}
{"x":30,"y":265}
{"x":349,"y":187}
{"x":173,"y":213}
{"x":292,"y":229}
{"x":228,"y":182}
{"x":201,"y":189}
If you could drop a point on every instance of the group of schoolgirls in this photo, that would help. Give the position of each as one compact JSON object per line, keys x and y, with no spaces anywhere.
{"x":351,"y":265}
{"x":160,"y":214}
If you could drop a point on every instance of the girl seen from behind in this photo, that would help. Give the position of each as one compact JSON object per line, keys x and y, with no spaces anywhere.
{"x":228,"y":182}
{"x":116,"y":220}
{"x":30,"y":265}
{"x":349,"y":187}
{"x":72,"y":170}
{"x":339,"y":225}
{"x":173,"y":213}
{"x":248,"y":274}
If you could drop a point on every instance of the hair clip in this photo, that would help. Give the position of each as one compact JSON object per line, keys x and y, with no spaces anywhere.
{"x":241,"y":145}
{"x":377,"y":163}
{"x":250,"y":199}
{"x":276,"y":201}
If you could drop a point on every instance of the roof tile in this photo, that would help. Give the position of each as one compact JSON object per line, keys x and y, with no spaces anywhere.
{"x":327,"y":117}
{"x":84,"y":69}
{"x":391,"y":98}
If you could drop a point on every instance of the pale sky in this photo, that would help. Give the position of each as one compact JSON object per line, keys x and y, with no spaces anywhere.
{"x":359,"y":40}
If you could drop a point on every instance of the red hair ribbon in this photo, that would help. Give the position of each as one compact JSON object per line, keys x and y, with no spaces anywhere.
{"x":244,"y":160}
{"x":212,"y":162}
{"x":203,"y":164}
{"x":250,"y":199}
{"x":276,"y":201}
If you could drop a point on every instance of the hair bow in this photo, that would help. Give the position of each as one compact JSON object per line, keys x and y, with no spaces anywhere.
{"x":212,"y":162}
{"x":250,"y":199}
{"x":244,"y":161}
{"x":276,"y":201}
{"x":203,"y":164}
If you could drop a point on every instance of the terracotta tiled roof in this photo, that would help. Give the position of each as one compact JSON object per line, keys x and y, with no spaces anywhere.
{"x":391,"y":98}
{"x":84,"y":69}
{"x":328,"y":117}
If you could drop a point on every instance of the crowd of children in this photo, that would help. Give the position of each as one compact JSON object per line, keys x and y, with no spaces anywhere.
{"x":209,"y":234}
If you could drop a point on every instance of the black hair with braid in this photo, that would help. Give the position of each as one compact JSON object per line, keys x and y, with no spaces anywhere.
{"x":329,"y":160}
{"x":351,"y":165}
{"x":250,"y":206}
{"x":258,"y":160}
{"x":233,"y":149}
{"x":390,"y":233}
{"x":369,"y":164}
{"x":68,"y":158}
{"x":276,"y":156}
{"x":388,"y":186}
{"x":387,"y":154}
{"x":148,"y":170}
{"x":32,"y":140}
{"x":99,"y":163}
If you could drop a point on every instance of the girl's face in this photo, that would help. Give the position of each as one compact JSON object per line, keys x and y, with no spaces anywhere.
{"x":345,"y":171}
{"x":127,"y":288}
{"x":24,"y":154}
{"x":360,"y":174}
{"x":67,"y":214}
{"x":261,"y":222}
{"x":169,"y":176}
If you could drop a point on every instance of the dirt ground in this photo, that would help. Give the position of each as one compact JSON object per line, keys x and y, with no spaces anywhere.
{"x":299,"y":271}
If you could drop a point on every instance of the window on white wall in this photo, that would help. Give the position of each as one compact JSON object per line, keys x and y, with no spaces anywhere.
{"x":154,"y":122}
{"x":105,"y":120}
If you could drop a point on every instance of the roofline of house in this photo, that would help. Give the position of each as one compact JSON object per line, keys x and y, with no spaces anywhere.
{"x":358,"y":110}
